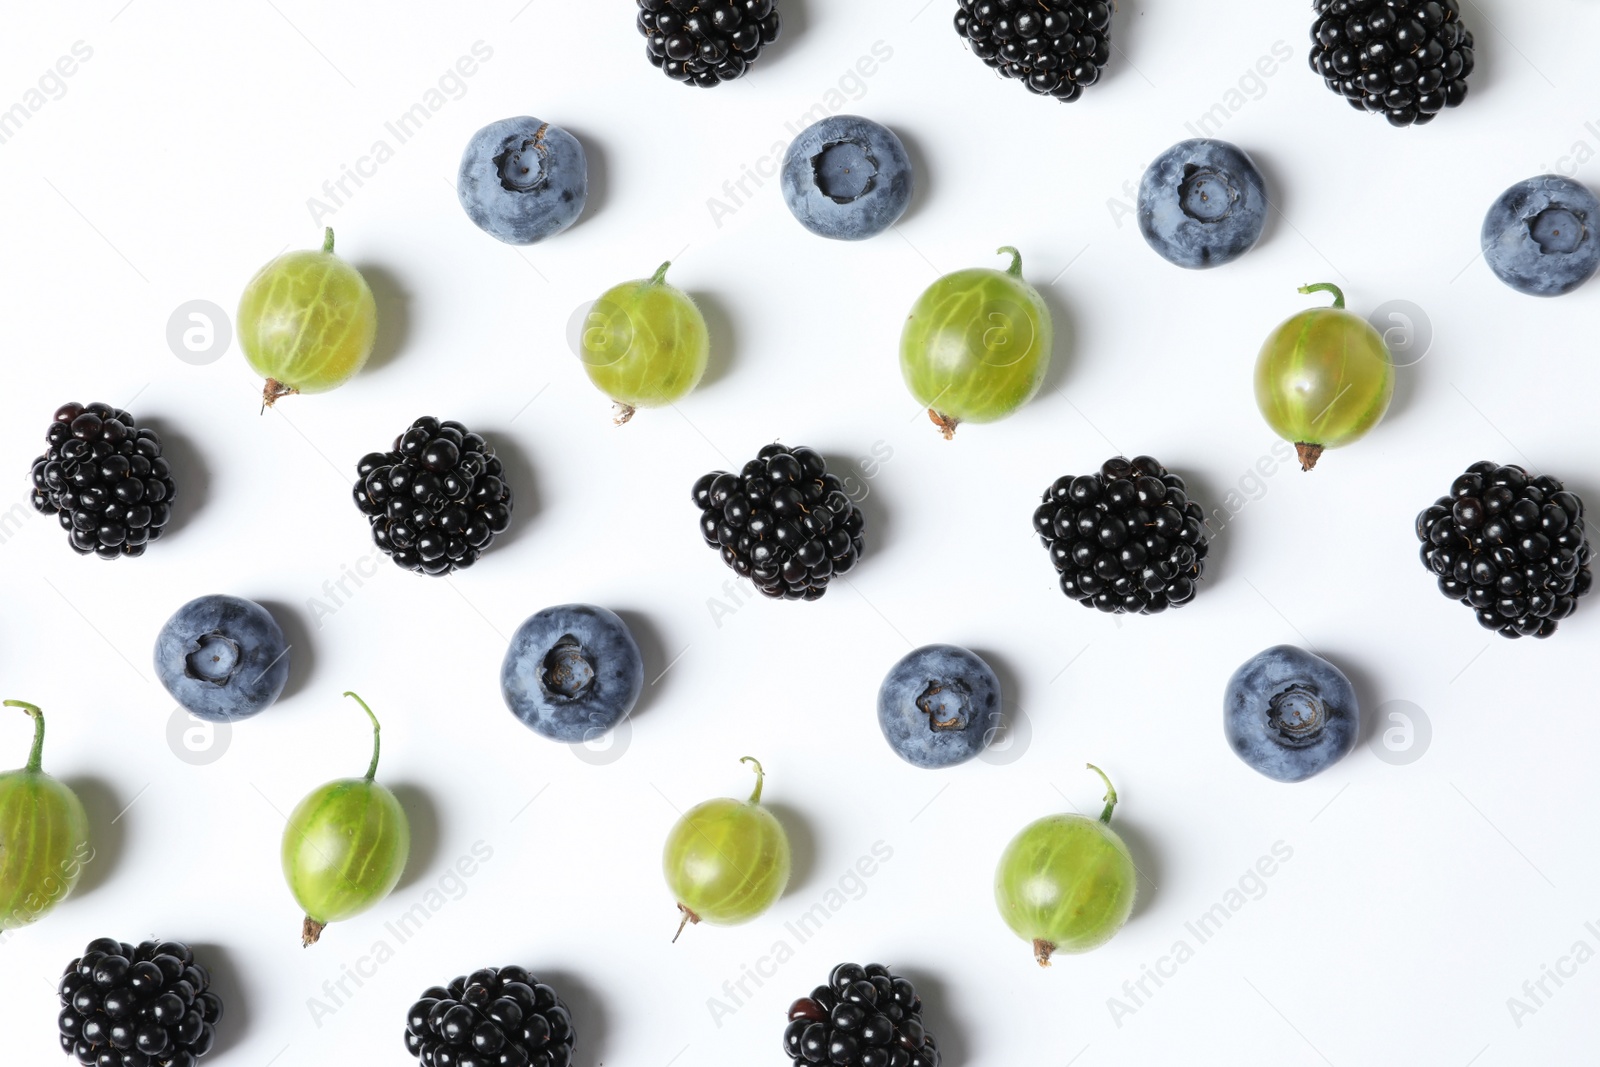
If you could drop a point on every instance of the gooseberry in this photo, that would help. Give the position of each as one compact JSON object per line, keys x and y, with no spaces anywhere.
{"x":44,"y":836}
{"x":726,"y":862}
{"x":645,"y":344}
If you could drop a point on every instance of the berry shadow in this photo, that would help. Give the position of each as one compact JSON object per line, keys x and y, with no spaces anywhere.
{"x":594,"y":155}
{"x":654,"y":654}
{"x":235,"y":1022}
{"x":864,"y":496}
{"x":1276,"y":191}
{"x":422,"y":814}
{"x":588,"y":1016}
{"x":1010,"y":680}
{"x":302,"y":654}
{"x":189,"y":473}
{"x":1064,"y":326}
{"x":394,"y":314}
{"x":793,"y":16}
{"x":520,"y":475}
{"x":724,"y":337}
{"x":1144,"y":862}
{"x":1123,"y":19}
{"x":1408,"y":385}
{"x":1210,"y":499}
{"x":922,"y":184}
{"x":107,"y":832}
{"x":802,"y":845}
{"x":947,"y":1032}
{"x":1367,"y":697}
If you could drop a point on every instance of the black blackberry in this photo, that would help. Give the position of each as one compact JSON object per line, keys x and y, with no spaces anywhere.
{"x":783,"y":522}
{"x":104,"y":478}
{"x":1128,"y":539}
{"x":437,"y":501}
{"x":1408,"y":59}
{"x":1510,"y":546}
{"x":496,"y":1017}
{"x":707,"y":42}
{"x":863,"y":1017}
{"x":145,"y":1006}
{"x":1055,"y":47}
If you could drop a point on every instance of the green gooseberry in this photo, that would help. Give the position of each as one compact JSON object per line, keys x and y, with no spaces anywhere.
{"x":1324,"y":378}
{"x":44,"y":836}
{"x":1066,"y":882}
{"x":976,"y":345}
{"x":307,"y":322}
{"x":345,"y":846}
{"x":727,"y":861}
{"x":645,"y":344}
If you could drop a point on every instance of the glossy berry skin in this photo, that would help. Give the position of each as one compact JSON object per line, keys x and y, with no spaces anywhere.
{"x":976,"y":345}
{"x":1066,"y":883}
{"x":223,"y":658}
{"x":345,"y":846}
{"x":522,"y":180}
{"x":1324,"y":378}
{"x":1542,"y":236}
{"x":1056,"y":51}
{"x":1512,"y":546}
{"x":307,"y":322}
{"x":491,"y":1017}
{"x":572,"y":672}
{"x":146,"y":1005}
{"x":707,"y":42}
{"x":44,"y":836}
{"x":1290,"y":714}
{"x":847,"y":178}
{"x":727,"y":861}
{"x":863,"y":1017}
{"x":1125,"y":539}
{"x":645,"y":344}
{"x":939,"y":706}
{"x":1407,"y":60}
{"x":105,"y":480}
{"x":1202,"y":203}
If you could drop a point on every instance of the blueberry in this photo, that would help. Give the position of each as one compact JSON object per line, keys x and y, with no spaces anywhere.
{"x":939,"y":706}
{"x":223,"y":658}
{"x":523,"y":180}
{"x":1202,"y":203}
{"x":847,"y":178}
{"x":572,"y":672}
{"x":1539,"y":237}
{"x":1290,"y":714}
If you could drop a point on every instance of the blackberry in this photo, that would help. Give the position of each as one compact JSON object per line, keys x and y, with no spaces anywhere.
{"x":863,"y":1017}
{"x":783,"y":522}
{"x":437,"y":500}
{"x":496,"y":1017}
{"x":1406,"y":59}
{"x":104,"y":477}
{"x":1127,"y":539}
{"x":145,"y":1006}
{"x":1510,"y":546}
{"x":707,"y":43}
{"x":1055,"y":47}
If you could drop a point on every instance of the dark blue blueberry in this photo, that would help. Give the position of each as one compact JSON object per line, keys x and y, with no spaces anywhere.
{"x":939,"y":706}
{"x":222,"y":658}
{"x":847,"y":178}
{"x":1290,"y":714}
{"x":1540,"y":237}
{"x":572,"y":672}
{"x":523,"y":180}
{"x":1202,"y":203}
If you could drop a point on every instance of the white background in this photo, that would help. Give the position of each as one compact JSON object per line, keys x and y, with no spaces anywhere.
{"x":1418,"y":898}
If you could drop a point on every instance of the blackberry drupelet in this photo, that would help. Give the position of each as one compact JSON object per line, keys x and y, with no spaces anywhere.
{"x":707,"y":42}
{"x":863,"y":1017}
{"x":1408,"y":59}
{"x":1054,"y":47}
{"x":1510,"y":546}
{"x":438,"y":500}
{"x":144,"y":1006}
{"x":1127,"y":539}
{"x":783,"y":522}
{"x":104,"y":478}
{"x":496,"y":1017}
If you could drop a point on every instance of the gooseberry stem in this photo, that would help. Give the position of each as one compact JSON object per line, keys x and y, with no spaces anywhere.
{"x":372,"y":768}
{"x":37,"y":752}
{"x":1327,"y":287}
{"x":1111,"y":793}
{"x":327,"y":239}
{"x":1015,"y":270}
{"x":761,"y":777}
{"x":660,"y":275}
